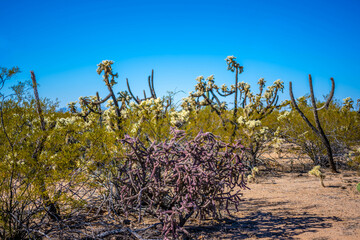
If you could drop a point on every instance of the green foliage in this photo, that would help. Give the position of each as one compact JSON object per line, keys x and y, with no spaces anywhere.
{"x":340,"y":123}
{"x":81,"y":151}
{"x":37,"y":166}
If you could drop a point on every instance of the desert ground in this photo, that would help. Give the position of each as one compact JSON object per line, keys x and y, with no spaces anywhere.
{"x":285,"y":206}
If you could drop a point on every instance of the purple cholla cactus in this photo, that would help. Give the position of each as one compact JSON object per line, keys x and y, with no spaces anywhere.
{"x":175,"y":179}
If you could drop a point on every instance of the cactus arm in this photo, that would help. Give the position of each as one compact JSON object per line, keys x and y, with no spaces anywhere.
{"x":225,"y":95}
{"x":293,"y":101}
{"x":92,"y":110}
{"x":212,"y":107}
{"x":270,"y":105}
{"x":322,"y":181}
{"x":321,"y":132}
{"x":37,"y":99}
{"x":98,"y":102}
{"x":261,"y":89}
{"x":331,"y":95}
{"x":244,"y":101}
{"x":84,"y":116}
{"x":215,"y":97}
{"x":151,"y":87}
{"x":144,"y":95}
{"x":117,"y":110}
{"x":270,"y":109}
{"x":318,"y":129}
{"x":151,"y":90}
{"x":313,"y":102}
{"x":99,"y":108}
{"x":136,"y":99}
{"x":151,"y":84}
{"x":236,"y":98}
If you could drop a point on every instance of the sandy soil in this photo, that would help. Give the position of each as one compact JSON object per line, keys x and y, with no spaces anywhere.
{"x":292,"y":206}
{"x":281,"y":206}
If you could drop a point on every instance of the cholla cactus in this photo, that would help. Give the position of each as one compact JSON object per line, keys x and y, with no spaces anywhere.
{"x":105,"y":66}
{"x":205,"y":95}
{"x":255,"y":107}
{"x":189,"y":103}
{"x":150,"y":107}
{"x":283,"y":115}
{"x":232,"y":64}
{"x":348,"y":104}
{"x":260,"y":104}
{"x":252,"y":177}
{"x":178,"y":118}
{"x":317,"y":173}
{"x":114,"y":111}
{"x":93,"y":104}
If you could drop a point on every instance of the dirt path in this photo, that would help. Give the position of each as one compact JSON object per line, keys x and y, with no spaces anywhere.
{"x":295,"y":206}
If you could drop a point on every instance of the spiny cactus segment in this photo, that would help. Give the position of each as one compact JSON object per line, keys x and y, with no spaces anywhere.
{"x":317,"y":173}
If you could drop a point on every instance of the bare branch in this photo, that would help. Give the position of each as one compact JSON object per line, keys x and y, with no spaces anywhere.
{"x":37,"y":99}
{"x":331,"y":95}
{"x":293,"y":101}
{"x":136,"y":99}
{"x":98,"y":102}
{"x":152,"y":83}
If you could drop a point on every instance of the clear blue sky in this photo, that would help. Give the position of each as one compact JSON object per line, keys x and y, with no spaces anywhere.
{"x":63,"y":41}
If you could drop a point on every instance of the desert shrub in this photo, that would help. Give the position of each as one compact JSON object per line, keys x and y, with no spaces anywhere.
{"x":175,"y":179}
{"x":38,"y":164}
{"x":340,"y":123}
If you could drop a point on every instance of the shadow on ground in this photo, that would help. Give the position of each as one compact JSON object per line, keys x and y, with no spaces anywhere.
{"x":261,"y":223}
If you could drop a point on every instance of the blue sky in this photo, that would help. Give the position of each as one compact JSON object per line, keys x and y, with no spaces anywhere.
{"x":63,"y":41}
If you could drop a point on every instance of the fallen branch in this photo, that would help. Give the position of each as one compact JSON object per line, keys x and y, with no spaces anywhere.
{"x":112,"y":232}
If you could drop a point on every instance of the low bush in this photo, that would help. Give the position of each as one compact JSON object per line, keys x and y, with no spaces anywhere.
{"x":178,"y":178}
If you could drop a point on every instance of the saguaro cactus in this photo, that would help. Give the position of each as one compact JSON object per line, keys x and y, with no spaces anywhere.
{"x":317,"y":129}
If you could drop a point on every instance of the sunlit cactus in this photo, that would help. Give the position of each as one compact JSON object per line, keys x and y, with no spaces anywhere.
{"x":252,"y":177}
{"x":92,"y":104}
{"x":317,"y":173}
{"x":257,"y":106}
{"x":317,"y":129}
{"x":249,"y":108}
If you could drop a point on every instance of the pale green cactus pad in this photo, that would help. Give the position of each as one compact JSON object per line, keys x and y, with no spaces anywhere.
{"x":358,"y":187}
